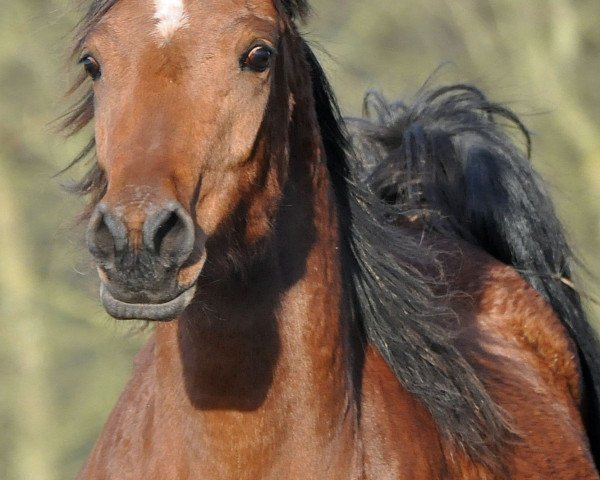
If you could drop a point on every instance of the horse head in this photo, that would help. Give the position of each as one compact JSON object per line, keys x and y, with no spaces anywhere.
{"x":192,"y":106}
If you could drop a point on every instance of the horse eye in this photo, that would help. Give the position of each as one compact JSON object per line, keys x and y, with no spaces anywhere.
{"x":258,"y":58}
{"x":91,"y":66}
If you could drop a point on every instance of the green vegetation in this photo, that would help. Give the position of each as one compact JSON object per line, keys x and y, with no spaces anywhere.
{"x":63,"y":362}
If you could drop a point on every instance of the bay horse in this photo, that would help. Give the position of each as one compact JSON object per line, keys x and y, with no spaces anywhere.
{"x":377,"y":298}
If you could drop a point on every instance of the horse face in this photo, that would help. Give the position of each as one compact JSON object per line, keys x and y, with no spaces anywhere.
{"x":180,"y":91}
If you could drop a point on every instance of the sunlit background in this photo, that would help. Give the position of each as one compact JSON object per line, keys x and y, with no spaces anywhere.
{"x":63,"y":361}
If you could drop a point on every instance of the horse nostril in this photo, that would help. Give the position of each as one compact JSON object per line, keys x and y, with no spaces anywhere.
{"x":104,"y":244}
{"x":170,"y":234}
{"x":105,"y":235}
{"x":167,"y":233}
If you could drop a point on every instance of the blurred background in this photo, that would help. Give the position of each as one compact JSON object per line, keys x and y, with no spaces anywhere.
{"x":63,"y":362}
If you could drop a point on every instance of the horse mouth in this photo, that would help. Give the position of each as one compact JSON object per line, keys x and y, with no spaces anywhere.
{"x":146,"y":311}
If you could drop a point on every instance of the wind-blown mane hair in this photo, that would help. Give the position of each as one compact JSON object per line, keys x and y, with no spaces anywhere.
{"x":447,"y":160}
{"x":392,"y":277}
{"x":394,"y":300}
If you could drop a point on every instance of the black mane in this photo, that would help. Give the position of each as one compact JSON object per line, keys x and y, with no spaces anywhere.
{"x":394,"y":299}
{"x":447,"y":158}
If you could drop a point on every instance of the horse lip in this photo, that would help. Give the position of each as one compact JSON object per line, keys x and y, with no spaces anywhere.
{"x":146,"y":311}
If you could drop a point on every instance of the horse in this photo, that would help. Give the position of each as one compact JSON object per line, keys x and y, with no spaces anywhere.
{"x":379,"y":298}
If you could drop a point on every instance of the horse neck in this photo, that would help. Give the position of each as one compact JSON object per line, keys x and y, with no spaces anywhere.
{"x":262,"y":364}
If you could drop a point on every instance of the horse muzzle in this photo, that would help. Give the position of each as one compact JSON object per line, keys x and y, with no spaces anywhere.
{"x":149,"y":258}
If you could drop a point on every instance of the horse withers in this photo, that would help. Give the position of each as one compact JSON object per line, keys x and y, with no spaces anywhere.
{"x":386,"y":301}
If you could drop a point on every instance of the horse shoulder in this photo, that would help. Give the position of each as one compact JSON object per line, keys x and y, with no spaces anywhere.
{"x":119,"y":451}
{"x":399,"y":436}
{"x":527,"y":361}
{"x":400,"y":439}
{"x":511,"y":309}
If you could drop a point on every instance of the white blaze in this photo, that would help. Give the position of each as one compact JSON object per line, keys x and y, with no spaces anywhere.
{"x":170,"y":16}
